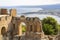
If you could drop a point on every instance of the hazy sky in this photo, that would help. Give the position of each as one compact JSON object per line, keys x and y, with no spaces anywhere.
{"x":27,"y":2}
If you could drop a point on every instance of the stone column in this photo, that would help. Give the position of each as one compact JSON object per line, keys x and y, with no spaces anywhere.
{"x":20,"y":30}
{"x":38,"y":27}
{"x":33,"y":28}
{"x":13,"y":12}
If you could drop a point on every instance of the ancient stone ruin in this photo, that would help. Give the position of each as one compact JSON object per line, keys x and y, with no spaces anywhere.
{"x":11,"y":29}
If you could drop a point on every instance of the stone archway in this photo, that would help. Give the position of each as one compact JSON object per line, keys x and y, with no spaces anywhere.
{"x":3,"y":31}
{"x":22,"y":28}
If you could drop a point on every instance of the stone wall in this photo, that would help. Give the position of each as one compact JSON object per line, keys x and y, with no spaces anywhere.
{"x":12,"y":27}
{"x":3,"y":12}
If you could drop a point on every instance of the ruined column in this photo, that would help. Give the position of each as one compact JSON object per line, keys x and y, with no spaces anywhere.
{"x":13,"y":12}
{"x":20,"y":30}
{"x":3,"y":11}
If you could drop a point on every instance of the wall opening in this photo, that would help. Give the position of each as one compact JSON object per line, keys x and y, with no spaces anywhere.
{"x":3,"y":31}
{"x":23,"y":26}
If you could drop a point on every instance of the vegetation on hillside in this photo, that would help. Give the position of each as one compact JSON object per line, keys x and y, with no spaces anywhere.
{"x":23,"y":28}
{"x":50,"y":26}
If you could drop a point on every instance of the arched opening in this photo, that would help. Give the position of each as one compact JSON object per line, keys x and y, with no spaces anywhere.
{"x":3,"y":31}
{"x":23,"y":26}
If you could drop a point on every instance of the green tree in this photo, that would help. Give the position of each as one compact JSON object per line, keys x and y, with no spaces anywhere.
{"x":58,"y":27}
{"x":50,"y":26}
{"x":23,"y":28}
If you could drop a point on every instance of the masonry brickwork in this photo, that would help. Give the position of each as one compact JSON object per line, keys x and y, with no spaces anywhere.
{"x":10,"y":26}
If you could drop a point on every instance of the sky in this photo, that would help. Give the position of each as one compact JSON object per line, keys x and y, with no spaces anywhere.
{"x":28,"y":2}
{"x":24,"y":10}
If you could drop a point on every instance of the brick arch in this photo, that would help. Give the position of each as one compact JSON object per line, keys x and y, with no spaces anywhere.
{"x":32,"y":23}
{"x":20,"y":27}
{"x":21,"y":23}
{"x":3,"y":30}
